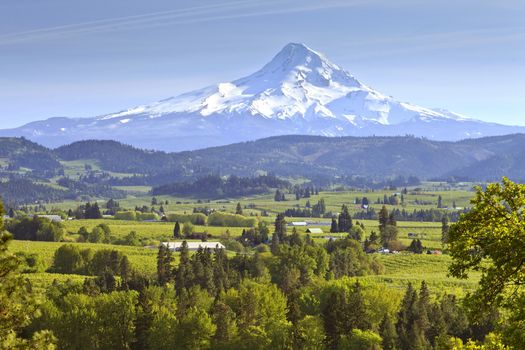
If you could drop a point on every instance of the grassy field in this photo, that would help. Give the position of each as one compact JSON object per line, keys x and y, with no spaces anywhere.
{"x":400,"y":269}
{"x":141,"y":258}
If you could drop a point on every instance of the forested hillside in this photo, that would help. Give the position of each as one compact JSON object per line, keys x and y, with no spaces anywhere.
{"x":94,"y":168}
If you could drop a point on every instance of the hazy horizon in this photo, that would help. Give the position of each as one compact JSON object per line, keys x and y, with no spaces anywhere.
{"x":80,"y":60}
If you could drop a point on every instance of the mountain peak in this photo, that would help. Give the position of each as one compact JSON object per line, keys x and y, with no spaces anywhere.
{"x":298,"y":62}
{"x":295,"y":55}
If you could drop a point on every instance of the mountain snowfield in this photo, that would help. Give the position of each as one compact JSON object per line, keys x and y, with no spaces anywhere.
{"x":298,"y":92}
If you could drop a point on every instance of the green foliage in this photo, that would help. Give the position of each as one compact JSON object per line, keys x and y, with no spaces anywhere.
{"x":126,"y":215}
{"x":36,"y":229}
{"x":105,"y":321}
{"x":17,"y":303}
{"x":230,"y":220}
{"x":195,"y":219}
{"x":70,"y":259}
{"x":491,"y":239}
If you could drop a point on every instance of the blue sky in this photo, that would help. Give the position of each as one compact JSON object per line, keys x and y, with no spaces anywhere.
{"x":86,"y":58}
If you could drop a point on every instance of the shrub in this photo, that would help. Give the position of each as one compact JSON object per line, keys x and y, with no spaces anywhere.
{"x":147,"y":216}
{"x":126,"y":215}
{"x":195,"y":218}
{"x":230,"y":220}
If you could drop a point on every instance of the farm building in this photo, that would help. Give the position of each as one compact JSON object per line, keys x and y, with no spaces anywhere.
{"x":298,"y":223}
{"x":193,"y":246}
{"x":314,"y":230}
{"x":54,"y":218}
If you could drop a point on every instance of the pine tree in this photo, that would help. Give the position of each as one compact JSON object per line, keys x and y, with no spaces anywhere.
{"x":280,"y":226}
{"x":125,"y":272}
{"x":388,"y":333}
{"x":333,"y":227}
{"x":162,"y":274}
{"x":405,"y":318}
{"x":383,"y":218}
{"x":238,"y":209}
{"x":275,"y":244}
{"x":226,"y":321}
{"x":345,"y":220}
{"x":176,"y":231}
{"x":358,"y":318}
{"x":440,"y":202}
{"x":184,"y":278}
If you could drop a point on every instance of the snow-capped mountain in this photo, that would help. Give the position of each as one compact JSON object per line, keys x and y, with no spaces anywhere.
{"x":298,"y":92}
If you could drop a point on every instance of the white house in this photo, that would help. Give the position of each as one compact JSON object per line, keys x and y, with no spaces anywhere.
{"x":298,"y":223}
{"x":193,"y":246}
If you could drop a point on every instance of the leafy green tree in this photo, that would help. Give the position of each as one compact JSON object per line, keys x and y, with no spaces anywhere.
{"x":96,"y":235}
{"x":361,"y":340}
{"x":187,"y":229}
{"x":261,"y":315}
{"x":68,"y":259}
{"x":491,"y":239}
{"x":226,"y":334}
{"x":17,"y":303}
{"x":80,"y":321}
{"x":194,"y":331}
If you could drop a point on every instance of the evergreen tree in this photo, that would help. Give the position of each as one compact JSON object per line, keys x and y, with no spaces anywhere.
{"x":275,"y":244}
{"x":416,"y":246}
{"x":333,"y":227}
{"x":238,"y":209}
{"x":163,"y":264}
{"x":177,"y":231}
{"x":263,"y":231}
{"x":227,"y":329}
{"x":279,"y":196}
{"x":280,"y":227}
{"x":184,"y":272}
{"x":405,"y":318}
{"x":388,"y":333}
{"x":345,"y":220}
{"x":383,"y":218}
{"x":125,"y":271}
{"x":440,"y":202}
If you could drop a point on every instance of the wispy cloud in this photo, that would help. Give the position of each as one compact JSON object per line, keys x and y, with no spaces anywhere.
{"x":212,"y":12}
{"x":431,"y":42}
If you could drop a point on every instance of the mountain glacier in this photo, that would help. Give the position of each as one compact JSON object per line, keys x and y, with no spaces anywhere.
{"x":298,"y":92}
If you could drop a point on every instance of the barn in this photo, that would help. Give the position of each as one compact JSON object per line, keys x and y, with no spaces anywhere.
{"x":314,"y":230}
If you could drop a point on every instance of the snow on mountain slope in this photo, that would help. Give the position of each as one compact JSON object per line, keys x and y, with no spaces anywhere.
{"x":298,"y":92}
{"x":298,"y":83}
